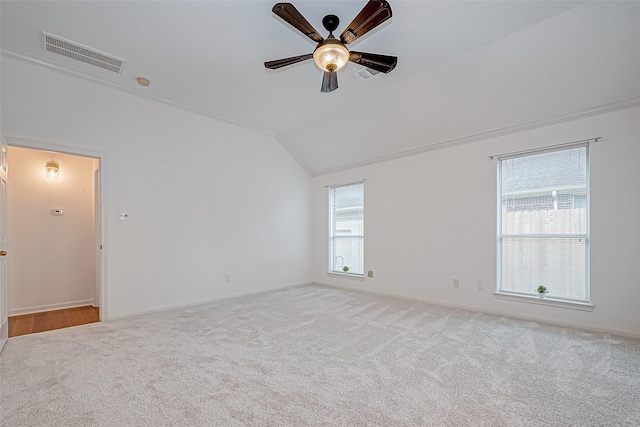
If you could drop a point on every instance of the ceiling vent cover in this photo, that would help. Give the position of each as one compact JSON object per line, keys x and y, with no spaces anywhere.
{"x":81,"y":53}
{"x":366,"y":73}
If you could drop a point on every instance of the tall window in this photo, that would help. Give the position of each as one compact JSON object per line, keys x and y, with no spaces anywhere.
{"x":543,"y":236}
{"x":346,"y":228}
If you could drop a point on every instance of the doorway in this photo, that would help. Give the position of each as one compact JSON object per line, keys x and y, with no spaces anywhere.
{"x":54,"y":233}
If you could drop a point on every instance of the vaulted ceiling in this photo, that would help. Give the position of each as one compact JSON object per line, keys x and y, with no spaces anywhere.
{"x":466,"y":70}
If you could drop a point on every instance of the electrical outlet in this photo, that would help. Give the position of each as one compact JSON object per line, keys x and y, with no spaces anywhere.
{"x":123,"y":216}
{"x":456,"y":283}
{"x":480,"y":286}
{"x":370,"y":273}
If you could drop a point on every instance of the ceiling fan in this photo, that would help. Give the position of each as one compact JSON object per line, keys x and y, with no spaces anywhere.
{"x":331,"y":54}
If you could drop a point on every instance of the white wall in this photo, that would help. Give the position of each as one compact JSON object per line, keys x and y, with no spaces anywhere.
{"x":52,"y":258}
{"x":431,"y":218}
{"x":207,"y":198}
{"x":204,"y":197}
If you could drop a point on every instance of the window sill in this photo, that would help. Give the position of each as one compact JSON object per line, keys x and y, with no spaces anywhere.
{"x":575,"y":305}
{"x":346,"y":275}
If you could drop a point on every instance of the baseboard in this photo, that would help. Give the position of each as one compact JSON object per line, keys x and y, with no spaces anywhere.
{"x":50,"y":307}
{"x":198,"y":303}
{"x":476,"y":309}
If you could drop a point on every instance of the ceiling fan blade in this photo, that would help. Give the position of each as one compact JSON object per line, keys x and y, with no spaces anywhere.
{"x":279,"y":63}
{"x":290,"y":14}
{"x":383,"y":63}
{"x":373,"y":14}
{"x":329,"y":81}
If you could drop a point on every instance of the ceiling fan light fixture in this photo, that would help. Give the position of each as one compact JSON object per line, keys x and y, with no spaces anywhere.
{"x":331,"y":55}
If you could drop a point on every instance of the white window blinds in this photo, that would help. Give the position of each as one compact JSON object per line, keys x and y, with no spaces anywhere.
{"x":346,"y":240}
{"x":543,"y":236}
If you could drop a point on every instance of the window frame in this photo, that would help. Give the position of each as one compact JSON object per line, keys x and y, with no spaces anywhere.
{"x":532,"y":297}
{"x":332,"y":228}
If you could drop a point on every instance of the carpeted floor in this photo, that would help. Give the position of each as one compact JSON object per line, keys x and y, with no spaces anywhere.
{"x":319,"y":356}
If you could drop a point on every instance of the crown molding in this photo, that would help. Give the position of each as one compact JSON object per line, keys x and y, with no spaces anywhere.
{"x":506,"y":130}
{"x":106,"y":83}
{"x":293,"y":154}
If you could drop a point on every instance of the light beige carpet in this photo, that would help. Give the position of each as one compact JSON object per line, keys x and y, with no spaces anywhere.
{"x":319,"y":356}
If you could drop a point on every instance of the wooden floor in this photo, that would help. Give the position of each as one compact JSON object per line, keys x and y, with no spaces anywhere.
{"x":49,"y":320}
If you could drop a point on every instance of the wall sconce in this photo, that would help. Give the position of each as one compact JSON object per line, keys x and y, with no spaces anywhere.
{"x":52,"y":169}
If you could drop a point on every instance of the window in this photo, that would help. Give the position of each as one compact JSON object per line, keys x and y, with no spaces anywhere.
{"x":543,"y":223}
{"x":346,"y":228}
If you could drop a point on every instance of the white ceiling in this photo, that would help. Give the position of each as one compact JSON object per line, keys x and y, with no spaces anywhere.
{"x":466,"y":70}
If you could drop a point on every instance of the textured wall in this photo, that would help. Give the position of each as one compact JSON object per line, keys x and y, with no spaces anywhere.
{"x":431,"y":218}
{"x":205,"y":198}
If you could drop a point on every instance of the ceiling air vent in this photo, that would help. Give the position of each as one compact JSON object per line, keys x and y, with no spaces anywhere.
{"x":81,"y":53}
{"x":366,"y":73}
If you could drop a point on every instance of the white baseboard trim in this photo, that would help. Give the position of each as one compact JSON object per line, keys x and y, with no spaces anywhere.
{"x":198,"y":303}
{"x":476,"y":309}
{"x":50,"y":307}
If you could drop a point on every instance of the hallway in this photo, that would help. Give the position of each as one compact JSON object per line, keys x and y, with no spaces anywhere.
{"x":50,"y":320}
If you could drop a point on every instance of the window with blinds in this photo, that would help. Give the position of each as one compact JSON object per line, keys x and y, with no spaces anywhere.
{"x":543,"y":235}
{"x":346,"y":225}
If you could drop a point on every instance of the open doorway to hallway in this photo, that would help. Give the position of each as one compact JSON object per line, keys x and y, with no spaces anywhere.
{"x":53,"y":220}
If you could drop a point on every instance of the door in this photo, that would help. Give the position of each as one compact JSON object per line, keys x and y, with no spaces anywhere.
{"x":97,"y":203}
{"x":4,"y":306}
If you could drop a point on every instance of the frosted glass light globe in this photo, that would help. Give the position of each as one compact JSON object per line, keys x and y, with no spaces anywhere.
{"x":331,"y":55}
